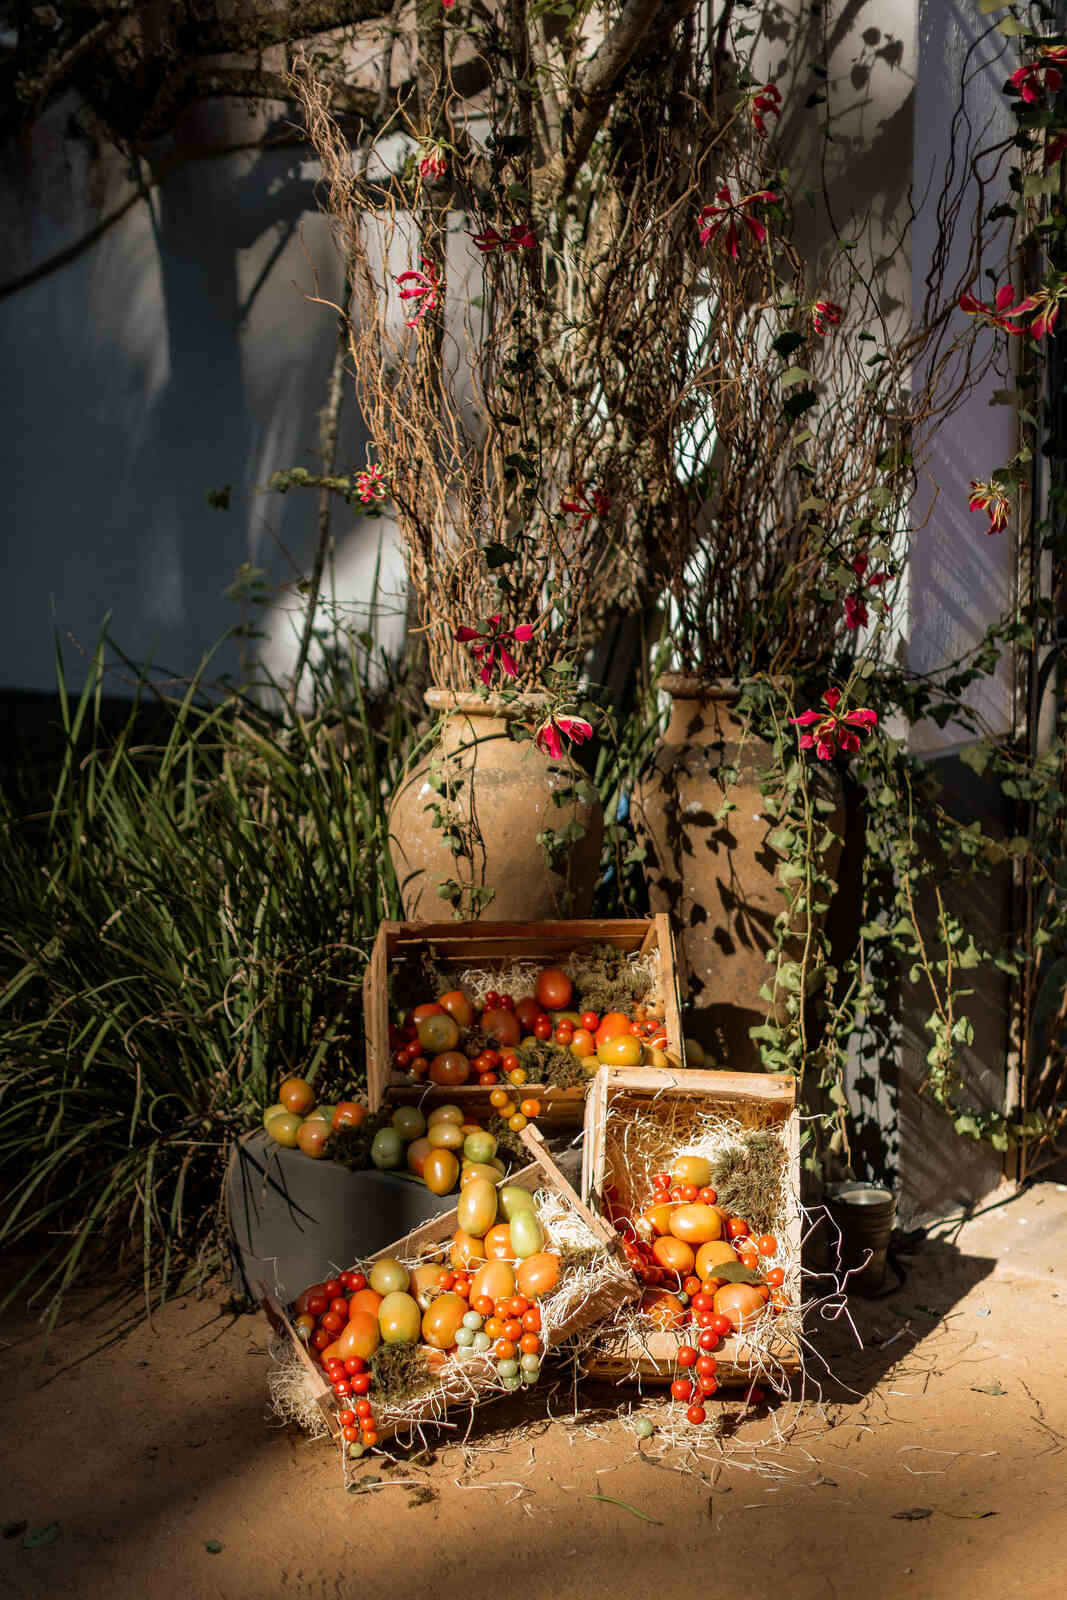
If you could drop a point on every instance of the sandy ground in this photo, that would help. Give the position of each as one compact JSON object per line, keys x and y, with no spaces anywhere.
{"x":146,"y":1463}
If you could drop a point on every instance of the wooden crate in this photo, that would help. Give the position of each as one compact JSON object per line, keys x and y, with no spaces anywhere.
{"x":540,"y":1173}
{"x":625,"y":1093}
{"x":488,"y":944}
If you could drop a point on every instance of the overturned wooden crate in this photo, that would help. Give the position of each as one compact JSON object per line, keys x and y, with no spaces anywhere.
{"x":594,"y":1285}
{"x":637,"y":1121}
{"x":492,"y":947}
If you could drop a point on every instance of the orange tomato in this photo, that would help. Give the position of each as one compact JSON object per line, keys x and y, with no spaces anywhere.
{"x":498,"y":1243}
{"x":696,"y":1224}
{"x":440,"y":1171}
{"x":416,"y":1154}
{"x":611,"y":1026}
{"x":553,"y":989}
{"x":712,"y":1255}
{"x":530,"y":1108}
{"x":494,"y":1327}
{"x":465,"y":1249}
{"x":441,"y":1319}
{"x":430,"y":1009}
{"x":691,"y":1169}
{"x":492,"y":1282}
{"x":583,"y":1044}
{"x":538,"y":1274}
{"x":361,"y":1337}
{"x":450,"y":1067}
{"x":665,"y":1309}
{"x":529,"y":1344}
{"x":674,"y":1254}
{"x":458,"y":1006}
{"x":741,"y":1302}
{"x":505,"y":1349}
{"x":348,"y":1114}
{"x":658,"y":1218}
{"x":619,"y":1050}
{"x":364,"y":1300}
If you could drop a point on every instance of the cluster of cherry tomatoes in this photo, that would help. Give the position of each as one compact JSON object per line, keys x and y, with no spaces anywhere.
{"x":322,"y":1313}
{"x":429,"y":1044}
{"x":674,"y":1245}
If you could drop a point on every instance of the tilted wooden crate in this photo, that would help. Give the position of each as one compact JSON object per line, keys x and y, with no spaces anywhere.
{"x":621,"y":1095}
{"x":477,"y":1382}
{"x":491,"y":945}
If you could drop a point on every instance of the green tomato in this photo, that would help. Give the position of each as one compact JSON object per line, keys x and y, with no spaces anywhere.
{"x":409,"y":1123}
{"x":527,"y":1235}
{"x":512,"y":1382}
{"x":284,"y":1127}
{"x":511,"y":1200}
{"x":507,"y":1369}
{"x":643,"y":1428}
{"x":530,"y":1363}
{"x":321,"y":1114}
{"x":482,"y":1342}
{"x":464,"y":1337}
{"x":479,"y":1147}
{"x":276,"y":1110}
{"x":387,"y":1150}
{"x":438,"y":1033}
{"x":387,"y":1276}
{"x":473,"y":1320}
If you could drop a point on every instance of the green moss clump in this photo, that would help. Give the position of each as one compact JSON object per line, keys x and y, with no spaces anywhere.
{"x":606,"y":979}
{"x":545,"y":1062}
{"x":350,"y":1147}
{"x":748,"y":1178}
{"x":398,"y":1373}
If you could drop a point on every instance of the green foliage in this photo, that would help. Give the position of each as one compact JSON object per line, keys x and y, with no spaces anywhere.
{"x":187,"y":925}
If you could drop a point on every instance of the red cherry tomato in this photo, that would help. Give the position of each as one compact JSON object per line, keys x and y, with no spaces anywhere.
{"x":342,"y":1388}
{"x":334,"y":1322}
{"x":509,"y":1060}
{"x":736,"y":1228}
{"x":703,"y":1301}
{"x":527,"y":1010}
{"x":681,"y":1389}
{"x":662,"y":1180}
{"x":722,"y":1326}
{"x":709,"y":1339}
{"x":707,"y":1364}
{"x":696,"y":1415}
{"x":756,"y":1396}
{"x":689,"y":1192}
{"x":767,"y":1244}
{"x":350,"y":1435}
{"x":346,"y":1418}
{"x":492,"y":1001}
{"x":590,"y":1020}
{"x":707,"y":1383}
{"x":360,"y":1383}
{"x":543,"y":1028}
{"x":321,"y":1338}
{"x":776,"y":1277}
{"x":687,"y":1356}
{"x":707,"y":1197}
{"x":317,"y":1304}
{"x":419,"y":1067}
{"x":564,"y":1033}
{"x":507,"y":1002}
{"x":364,"y":1408}
{"x":354,"y":1364}
{"x":340,"y":1306}
{"x":353,"y":1281}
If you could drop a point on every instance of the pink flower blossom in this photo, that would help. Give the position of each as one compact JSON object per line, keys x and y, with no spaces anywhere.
{"x":766,"y":102}
{"x":856,"y":613}
{"x":433,"y":162}
{"x":1028,"y":78}
{"x":986,"y":313}
{"x":824,"y":312}
{"x":831,"y":732}
{"x":1045,"y":303}
{"x":550,"y":734}
{"x":586,"y":504}
{"x":424,"y":287}
{"x":518,"y":237}
{"x":492,"y":644}
{"x":993,"y":498}
{"x":729,"y":213}
{"x":370,"y":485}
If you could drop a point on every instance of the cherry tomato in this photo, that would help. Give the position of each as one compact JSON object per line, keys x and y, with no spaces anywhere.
{"x":542,"y":1028}
{"x":709,"y":1339}
{"x":483,"y":1305}
{"x":354,"y":1364}
{"x":564,"y":1033}
{"x":370,"y":1437}
{"x":353,"y":1281}
{"x":517,"y":1076}
{"x":662,"y":1180}
{"x":486,"y":1078}
{"x":590,"y":1021}
{"x":346,"y":1418}
{"x":487,"y":1061}
{"x":509,"y":1060}
{"x":531,"y":1320}
{"x":722,"y":1326}
{"x":507,"y":1002}
{"x":707,"y":1364}
{"x":755,"y":1396}
{"x":517,"y":1122}
{"x":682,"y":1389}
{"x":517,"y":1305}
{"x":506,"y":1350}
{"x":513,"y":1329}
{"x":332,"y":1321}
{"x":494,"y":1328}
{"x":582,"y":1044}
{"x":530,"y":1108}
{"x":696,"y":1415}
{"x":707,"y":1383}
{"x":529,"y":1344}
{"x":364,"y":1408}
{"x":420,"y":1067}
{"x":776,"y":1277}
{"x":692,"y":1287}
{"x":736,"y":1228}
{"x":492,"y":1001}
{"x":689,"y":1192}
{"x":703,"y":1301}
{"x":342,"y":1388}
{"x":340,"y":1305}
{"x":675,"y":1194}
{"x":499,"y":1099}
{"x":767,"y":1244}
{"x":350,"y":1434}
{"x":321,"y":1338}
{"x":318,"y":1304}
{"x":707,"y":1197}
{"x":687,"y":1356}
{"x":360,"y":1384}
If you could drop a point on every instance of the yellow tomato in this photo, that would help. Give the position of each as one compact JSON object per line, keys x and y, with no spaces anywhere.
{"x":620,"y":1050}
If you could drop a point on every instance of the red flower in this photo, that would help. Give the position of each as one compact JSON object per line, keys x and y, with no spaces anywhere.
{"x":831,"y":731}
{"x":548,"y":737}
{"x":823,"y":312}
{"x":991,"y":497}
{"x":729,"y":213}
{"x":1046,"y":303}
{"x":492,"y":645}
{"x":985,"y":313}
{"x":425,"y":287}
{"x":519,"y":237}
{"x":1027,"y":79}
{"x":766,"y":102}
{"x":587,"y":505}
{"x":434,"y":160}
{"x":856,"y":613}
{"x":370,"y":485}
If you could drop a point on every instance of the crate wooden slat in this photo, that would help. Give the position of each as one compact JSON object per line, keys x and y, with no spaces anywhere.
{"x":492,"y":944}
{"x":540,"y":1173}
{"x":652,"y":1358}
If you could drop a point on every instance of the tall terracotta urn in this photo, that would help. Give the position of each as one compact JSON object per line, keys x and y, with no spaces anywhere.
{"x":718,"y":878}
{"x":499,"y":800}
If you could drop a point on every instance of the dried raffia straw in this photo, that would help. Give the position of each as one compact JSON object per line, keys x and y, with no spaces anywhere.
{"x":519,"y":978}
{"x":292,"y":1393}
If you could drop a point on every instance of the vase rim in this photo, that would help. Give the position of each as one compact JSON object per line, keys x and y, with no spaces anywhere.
{"x":468,"y":702}
{"x":681,"y":686}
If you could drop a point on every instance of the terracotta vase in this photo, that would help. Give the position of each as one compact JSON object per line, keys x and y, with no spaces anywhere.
{"x":718,"y":878}
{"x":496,"y":795}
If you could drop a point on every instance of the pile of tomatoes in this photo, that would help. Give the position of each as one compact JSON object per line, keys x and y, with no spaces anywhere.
{"x":431,"y":1043}
{"x":686,"y":1250}
{"x":295,"y":1121}
{"x":479,"y":1302}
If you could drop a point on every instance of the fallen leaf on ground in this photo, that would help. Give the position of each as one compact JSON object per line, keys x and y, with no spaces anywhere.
{"x":213,"y":1547}
{"x":916,"y":1514}
{"x":608,"y":1501}
{"x":988,"y":1388}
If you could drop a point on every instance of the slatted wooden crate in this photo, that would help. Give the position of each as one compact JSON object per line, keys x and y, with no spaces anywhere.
{"x":477,"y":1382}
{"x":492,"y":945}
{"x":621,"y":1095}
